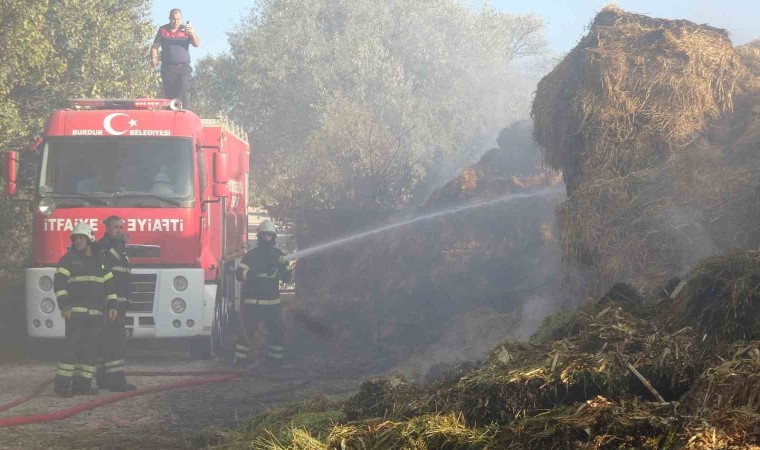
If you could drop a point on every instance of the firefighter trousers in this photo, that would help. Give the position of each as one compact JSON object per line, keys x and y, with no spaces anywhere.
{"x":76,"y":368}
{"x":176,"y":81}
{"x":113,"y":348}
{"x":252,"y":314}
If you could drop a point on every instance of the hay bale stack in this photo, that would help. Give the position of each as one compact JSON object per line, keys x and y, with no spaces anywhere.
{"x":633,"y":91}
{"x":640,"y":118}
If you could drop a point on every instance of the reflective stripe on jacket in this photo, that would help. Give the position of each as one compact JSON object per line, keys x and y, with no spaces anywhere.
{"x":83,"y":282}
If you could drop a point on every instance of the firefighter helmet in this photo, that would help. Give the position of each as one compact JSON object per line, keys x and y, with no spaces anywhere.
{"x":84,"y":229}
{"x":267,"y":226}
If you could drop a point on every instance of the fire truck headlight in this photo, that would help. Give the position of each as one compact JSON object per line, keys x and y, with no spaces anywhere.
{"x":180,"y":283}
{"x":47,"y":306}
{"x":178,"y":306}
{"x":45,"y":283}
{"x":46,"y":206}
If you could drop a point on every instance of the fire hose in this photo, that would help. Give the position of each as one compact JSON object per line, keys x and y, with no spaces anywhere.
{"x":218,"y":376}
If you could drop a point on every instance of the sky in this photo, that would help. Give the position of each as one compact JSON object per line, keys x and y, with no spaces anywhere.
{"x":565,"y":19}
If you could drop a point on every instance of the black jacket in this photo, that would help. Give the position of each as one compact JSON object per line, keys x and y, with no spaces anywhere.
{"x":83,"y":284}
{"x":260,"y":271}
{"x":114,"y":254}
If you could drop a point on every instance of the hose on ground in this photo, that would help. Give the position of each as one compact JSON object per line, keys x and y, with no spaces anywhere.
{"x":76,"y":409}
{"x":218,"y":376}
{"x":19,"y":401}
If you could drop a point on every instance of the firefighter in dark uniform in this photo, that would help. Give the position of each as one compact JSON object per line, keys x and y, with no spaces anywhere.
{"x":174,"y":39}
{"x":113,"y":251}
{"x":85,"y":292}
{"x":261,"y":271}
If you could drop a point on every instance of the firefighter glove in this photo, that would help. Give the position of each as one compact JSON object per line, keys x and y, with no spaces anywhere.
{"x":113,"y":314}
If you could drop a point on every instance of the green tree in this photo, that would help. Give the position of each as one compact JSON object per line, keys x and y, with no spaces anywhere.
{"x":51,"y":51}
{"x":353,"y":102}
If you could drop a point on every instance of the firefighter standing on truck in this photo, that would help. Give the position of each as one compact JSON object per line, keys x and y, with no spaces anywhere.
{"x":85,"y":292}
{"x":113,"y":251}
{"x":260,"y":271}
{"x":174,"y":40}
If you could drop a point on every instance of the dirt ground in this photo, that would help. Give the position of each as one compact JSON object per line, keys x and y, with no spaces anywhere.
{"x":176,"y":419}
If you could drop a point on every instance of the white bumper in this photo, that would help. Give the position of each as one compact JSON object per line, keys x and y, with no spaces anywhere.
{"x":150,"y":317}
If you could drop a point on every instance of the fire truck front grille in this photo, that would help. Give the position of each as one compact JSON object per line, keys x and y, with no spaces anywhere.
{"x":143,"y":292}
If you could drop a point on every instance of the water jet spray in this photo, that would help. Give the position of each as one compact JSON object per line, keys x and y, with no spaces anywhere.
{"x":453,"y":210}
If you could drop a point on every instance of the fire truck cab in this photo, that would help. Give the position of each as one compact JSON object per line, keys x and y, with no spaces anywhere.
{"x":181,"y":184}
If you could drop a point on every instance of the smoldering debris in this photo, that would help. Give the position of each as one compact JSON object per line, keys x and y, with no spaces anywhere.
{"x":618,"y":374}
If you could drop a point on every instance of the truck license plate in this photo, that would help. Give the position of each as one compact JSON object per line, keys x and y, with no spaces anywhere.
{"x":128,"y":332}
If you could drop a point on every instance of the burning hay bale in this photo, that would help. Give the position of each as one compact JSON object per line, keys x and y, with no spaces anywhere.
{"x":634,"y":90}
{"x":639,"y":116}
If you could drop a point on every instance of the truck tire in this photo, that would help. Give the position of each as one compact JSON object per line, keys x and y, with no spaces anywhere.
{"x":209,"y":347}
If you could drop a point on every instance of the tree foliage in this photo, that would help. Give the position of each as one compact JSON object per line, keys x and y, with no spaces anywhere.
{"x":55,"y":50}
{"x":352,"y":103}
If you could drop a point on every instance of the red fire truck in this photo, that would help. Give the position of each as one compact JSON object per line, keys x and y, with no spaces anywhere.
{"x":180,"y":182}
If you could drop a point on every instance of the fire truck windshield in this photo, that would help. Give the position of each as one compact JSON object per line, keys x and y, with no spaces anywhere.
{"x":140,"y":172}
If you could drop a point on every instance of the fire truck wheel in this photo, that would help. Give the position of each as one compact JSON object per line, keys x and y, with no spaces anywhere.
{"x":209,"y":347}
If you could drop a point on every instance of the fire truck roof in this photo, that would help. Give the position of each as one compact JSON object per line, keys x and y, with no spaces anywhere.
{"x":126,"y":103}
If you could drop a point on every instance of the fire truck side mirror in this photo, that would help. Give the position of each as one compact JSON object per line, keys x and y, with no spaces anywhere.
{"x":10,"y":160}
{"x":221,"y":168}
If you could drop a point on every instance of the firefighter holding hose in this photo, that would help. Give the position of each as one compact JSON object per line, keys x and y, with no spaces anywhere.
{"x":260,"y":271}
{"x":113,"y":251}
{"x":85,"y":292}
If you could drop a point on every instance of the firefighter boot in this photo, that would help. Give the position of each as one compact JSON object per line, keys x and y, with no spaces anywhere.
{"x":82,"y":386}
{"x":62,"y":386}
{"x":117,"y":382}
{"x":123,"y":387}
{"x":241,"y":355}
{"x":101,"y":379}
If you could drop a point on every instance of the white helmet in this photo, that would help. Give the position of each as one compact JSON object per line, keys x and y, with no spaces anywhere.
{"x":84,"y":229}
{"x":267,"y":226}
